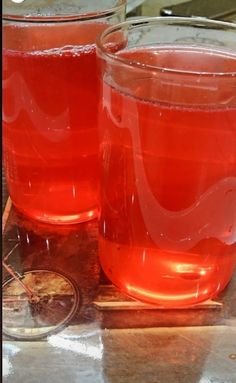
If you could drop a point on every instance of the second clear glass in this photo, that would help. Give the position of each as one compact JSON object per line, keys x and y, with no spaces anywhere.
{"x":50,"y":100}
{"x":168,"y":158}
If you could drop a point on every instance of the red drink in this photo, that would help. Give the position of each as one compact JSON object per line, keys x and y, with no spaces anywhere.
{"x":168,"y":223}
{"x":50,"y":94}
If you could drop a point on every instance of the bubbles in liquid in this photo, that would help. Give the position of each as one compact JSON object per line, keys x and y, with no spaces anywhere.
{"x":74,"y":50}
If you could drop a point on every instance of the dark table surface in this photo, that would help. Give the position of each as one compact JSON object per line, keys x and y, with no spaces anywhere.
{"x":112,"y":338}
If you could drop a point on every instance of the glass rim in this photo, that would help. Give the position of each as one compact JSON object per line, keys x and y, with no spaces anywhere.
{"x":63,"y":18}
{"x":181,"y":21}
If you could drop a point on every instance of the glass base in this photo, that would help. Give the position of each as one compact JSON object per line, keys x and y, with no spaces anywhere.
{"x":69,"y":219}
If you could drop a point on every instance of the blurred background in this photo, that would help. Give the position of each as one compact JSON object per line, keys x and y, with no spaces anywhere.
{"x":214,"y":9}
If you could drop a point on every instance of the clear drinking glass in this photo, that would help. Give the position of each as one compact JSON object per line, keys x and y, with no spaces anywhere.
{"x":168,"y":158}
{"x":50,"y":99}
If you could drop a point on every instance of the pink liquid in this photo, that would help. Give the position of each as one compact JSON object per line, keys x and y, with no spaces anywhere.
{"x":168,"y":222}
{"x":50,"y":97}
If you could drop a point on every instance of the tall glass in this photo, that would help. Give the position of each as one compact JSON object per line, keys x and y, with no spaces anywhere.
{"x":168,"y":158}
{"x":50,"y":99}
